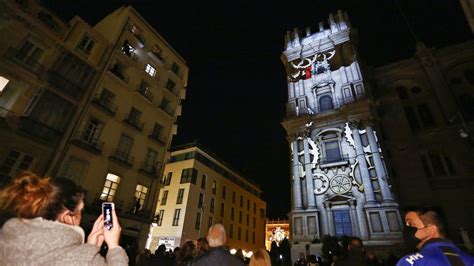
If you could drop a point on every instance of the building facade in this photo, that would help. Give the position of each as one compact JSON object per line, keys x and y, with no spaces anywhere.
{"x":340,"y":182}
{"x":276,"y":231}
{"x":117,"y":148}
{"x":200,"y":190}
{"x":426,"y":109}
{"x":45,"y":83}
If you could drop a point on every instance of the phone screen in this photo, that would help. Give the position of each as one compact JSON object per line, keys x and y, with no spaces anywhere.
{"x":107,"y":211}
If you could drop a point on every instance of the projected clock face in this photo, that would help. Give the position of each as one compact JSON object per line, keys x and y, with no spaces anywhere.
{"x":340,"y":184}
{"x":321,"y":184}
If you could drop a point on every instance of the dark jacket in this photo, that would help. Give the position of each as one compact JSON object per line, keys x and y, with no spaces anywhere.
{"x":437,"y":252}
{"x":217,"y":256}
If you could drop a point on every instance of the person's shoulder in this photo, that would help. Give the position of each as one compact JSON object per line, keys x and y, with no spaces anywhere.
{"x":411,"y":259}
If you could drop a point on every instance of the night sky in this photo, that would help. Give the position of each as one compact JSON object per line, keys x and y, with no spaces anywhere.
{"x":237,"y":88}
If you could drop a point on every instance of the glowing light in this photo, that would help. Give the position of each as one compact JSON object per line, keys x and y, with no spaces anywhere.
{"x":150,"y":70}
{"x":3,"y":83}
{"x":248,"y":254}
{"x":233,"y":251}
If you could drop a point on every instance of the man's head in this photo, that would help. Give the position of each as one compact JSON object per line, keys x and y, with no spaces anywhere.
{"x":355,"y":246}
{"x":216,"y":236}
{"x":427,"y":223}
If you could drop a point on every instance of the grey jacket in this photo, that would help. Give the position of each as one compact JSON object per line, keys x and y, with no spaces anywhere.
{"x":43,"y":242}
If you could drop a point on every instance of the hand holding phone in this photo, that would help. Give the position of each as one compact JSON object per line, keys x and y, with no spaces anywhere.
{"x":107,"y":208}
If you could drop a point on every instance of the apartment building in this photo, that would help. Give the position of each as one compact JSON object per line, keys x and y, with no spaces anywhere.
{"x":200,"y":190}
{"x":117,"y":147}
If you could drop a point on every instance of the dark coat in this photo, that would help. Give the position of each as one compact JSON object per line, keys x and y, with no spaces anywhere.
{"x":217,"y":256}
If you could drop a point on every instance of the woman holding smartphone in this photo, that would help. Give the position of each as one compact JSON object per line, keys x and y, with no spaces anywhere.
{"x":39,"y":219}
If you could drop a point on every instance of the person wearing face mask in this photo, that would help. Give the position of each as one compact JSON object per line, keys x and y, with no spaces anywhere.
{"x":39,"y":220}
{"x":425,"y":231}
{"x":355,"y":253}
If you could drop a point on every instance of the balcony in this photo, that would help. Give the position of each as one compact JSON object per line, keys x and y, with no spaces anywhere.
{"x":105,"y":104}
{"x":137,"y":34}
{"x":334,"y":161}
{"x":156,"y":136}
{"x":38,"y":130}
{"x":129,"y":51}
{"x":69,"y":87}
{"x":119,"y":73}
{"x":146,"y":92}
{"x":336,"y":104}
{"x":92,"y":144}
{"x":122,"y":157}
{"x":24,"y":61}
{"x":149,"y":169}
{"x":133,"y":121}
{"x":167,"y":109}
{"x":173,"y":90}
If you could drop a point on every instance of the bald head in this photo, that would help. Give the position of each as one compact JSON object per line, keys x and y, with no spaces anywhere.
{"x":216,"y":236}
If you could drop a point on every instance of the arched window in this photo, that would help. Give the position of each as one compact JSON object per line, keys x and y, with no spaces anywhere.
{"x":325,"y":103}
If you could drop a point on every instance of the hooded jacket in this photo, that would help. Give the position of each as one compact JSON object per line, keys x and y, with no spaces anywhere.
{"x":44,"y":242}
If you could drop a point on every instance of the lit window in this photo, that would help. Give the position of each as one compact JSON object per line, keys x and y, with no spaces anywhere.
{"x":3,"y":83}
{"x":110,"y":187}
{"x":140,"y":195}
{"x":151,"y":70}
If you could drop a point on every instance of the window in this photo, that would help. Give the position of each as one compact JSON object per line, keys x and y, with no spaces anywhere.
{"x":333,"y":154}
{"x":214,"y":187}
{"x":231,"y":231}
{"x":222,"y":209}
{"x":325,"y":103}
{"x":203,"y":181}
{"x":16,"y":162}
{"x":160,"y":217}
{"x":170,"y":84}
{"x":197,"y":225}
{"x":167,"y":179}
{"x":411,"y":118}
{"x":29,"y":53}
{"x":254,"y":222}
{"x":151,"y":70}
{"x":145,"y":90}
{"x":248,"y":205}
{"x":134,"y":116}
{"x":239,"y":234}
{"x":246,"y":235}
{"x":86,"y":44}
{"x":201,"y":201}
{"x":106,"y":96}
{"x":150,"y":160}
{"x":92,"y":131}
{"x":253,"y":237}
{"x":233,"y":197}
{"x":241,"y":201}
{"x":124,"y":146}
{"x":211,"y":209}
{"x":232,"y":214}
{"x":240,"y":217}
{"x":248,"y":220}
{"x":164,"y":198}
{"x":140,"y":196}
{"x":188,"y":175}
{"x":128,"y":50}
{"x":437,"y":164}
{"x":425,"y":115}
{"x":179,"y":200}
{"x":209,"y":222}
{"x":110,"y":187}
{"x":175,"y":68}
{"x":254,"y":207}
{"x":224,"y":191}
{"x":176,"y":217}
{"x":342,"y":222}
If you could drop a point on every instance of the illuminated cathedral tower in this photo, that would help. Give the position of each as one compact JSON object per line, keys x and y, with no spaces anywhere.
{"x":340,"y":184}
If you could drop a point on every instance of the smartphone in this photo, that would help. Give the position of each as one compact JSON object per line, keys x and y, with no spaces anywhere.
{"x":107,"y":212}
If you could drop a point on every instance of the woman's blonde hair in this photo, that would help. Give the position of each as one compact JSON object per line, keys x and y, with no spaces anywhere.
{"x":260,"y":258}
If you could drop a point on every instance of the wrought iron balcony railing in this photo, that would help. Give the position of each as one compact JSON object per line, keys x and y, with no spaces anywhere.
{"x":145,"y":91}
{"x":150,"y":169}
{"x":105,"y":104}
{"x":39,"y":130}
{"x":123,"y":157}
{"x":157,"y":136}
{"x":24,"y":61}
{"x":133,"y":121}
{"x":91,"y":143}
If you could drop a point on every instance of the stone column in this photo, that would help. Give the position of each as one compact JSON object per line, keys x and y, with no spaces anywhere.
{"x":354,"y":220}
{"x":309,"y":176}
{"x":379,"y":167}
{"x":297,"y":204}
{"x":364,"y":172}
{"x":330,"y":219}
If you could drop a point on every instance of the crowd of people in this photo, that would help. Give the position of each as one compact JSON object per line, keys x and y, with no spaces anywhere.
{"x":40,"y":218}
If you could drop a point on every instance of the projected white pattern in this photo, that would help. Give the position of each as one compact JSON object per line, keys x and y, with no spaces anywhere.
{"x":340,"y":184}
{"x":321,"y":183}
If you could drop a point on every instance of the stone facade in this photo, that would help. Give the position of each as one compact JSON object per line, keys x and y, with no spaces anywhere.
{"x":340,"y":182}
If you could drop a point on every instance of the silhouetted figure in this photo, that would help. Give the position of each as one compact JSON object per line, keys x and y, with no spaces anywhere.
{"x":185,"y":254}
